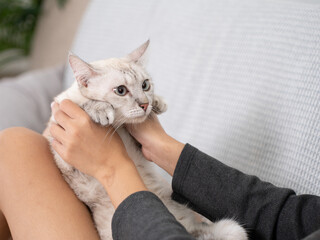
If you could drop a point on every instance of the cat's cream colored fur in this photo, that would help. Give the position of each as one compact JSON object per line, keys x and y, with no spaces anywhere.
{"x":94,"y":91}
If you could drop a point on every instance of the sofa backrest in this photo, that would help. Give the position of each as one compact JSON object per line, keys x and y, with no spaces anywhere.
{"x":241,"y":78}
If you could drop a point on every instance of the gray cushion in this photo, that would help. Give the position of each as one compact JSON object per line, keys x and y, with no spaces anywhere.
{"x":25,"y":100}
{"x":241,"y":78}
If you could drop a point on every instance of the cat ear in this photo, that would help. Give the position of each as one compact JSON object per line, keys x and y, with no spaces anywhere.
{"x":139,"y":55}
{"x":81,"y":70}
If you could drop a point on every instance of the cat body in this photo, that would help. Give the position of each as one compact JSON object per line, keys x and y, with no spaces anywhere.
{"x":118,"y":91}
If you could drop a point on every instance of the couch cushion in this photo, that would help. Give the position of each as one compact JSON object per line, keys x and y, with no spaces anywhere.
{"x":25,"y":100}
{"x":241,"y":78}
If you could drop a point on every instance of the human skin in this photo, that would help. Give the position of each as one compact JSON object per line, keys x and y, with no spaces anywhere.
{"x":34,"y":198}
{"x":157,"y":145}
{"x":37,"y":180}
{"x":94,"y":150}
{"x":4,"y":229}
{"x":86,"y":146}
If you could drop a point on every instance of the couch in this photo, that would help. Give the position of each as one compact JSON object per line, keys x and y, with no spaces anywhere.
{"x":241,"y":78}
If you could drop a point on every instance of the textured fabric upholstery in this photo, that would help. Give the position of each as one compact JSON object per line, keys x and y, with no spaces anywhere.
{"x":25,"y":100}
{"x":241,"y":78}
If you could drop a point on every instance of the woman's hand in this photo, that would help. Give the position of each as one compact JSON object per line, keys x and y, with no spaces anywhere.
{"x":157,"y":145}
{"x":84,"y":144}
{"x":149,"y":134}
{"x":95,"y":150}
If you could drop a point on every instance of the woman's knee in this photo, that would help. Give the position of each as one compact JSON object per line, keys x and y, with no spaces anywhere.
{"x":16,"y":133}
{"x":22,"y":153}
{"x":18,"y":142}
{"x":20,"y":136}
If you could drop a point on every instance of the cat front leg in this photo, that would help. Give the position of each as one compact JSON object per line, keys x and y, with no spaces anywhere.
{"x":100,"y":112}
{"x":158,"y":105}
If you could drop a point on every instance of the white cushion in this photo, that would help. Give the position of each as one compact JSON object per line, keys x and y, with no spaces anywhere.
{"x":241,"y":78}
{"x":25,"y":99}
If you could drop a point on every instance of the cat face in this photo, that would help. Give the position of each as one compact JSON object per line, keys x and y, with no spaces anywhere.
{"x":123,"y":83}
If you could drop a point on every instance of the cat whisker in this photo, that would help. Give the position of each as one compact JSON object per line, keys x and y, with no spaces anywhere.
{"x":106,"y":135}
{"x":115,"y":126}
{"x":110,"y":130}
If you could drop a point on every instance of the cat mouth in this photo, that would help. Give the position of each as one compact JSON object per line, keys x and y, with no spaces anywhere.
{"x":137,"y":119}
{"x":137,"y":116}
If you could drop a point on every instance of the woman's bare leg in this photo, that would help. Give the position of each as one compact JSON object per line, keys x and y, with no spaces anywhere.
{"x":35,"y":199}
{"x":4,"y":229}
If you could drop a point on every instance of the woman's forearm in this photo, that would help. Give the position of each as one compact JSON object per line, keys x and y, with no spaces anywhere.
{"x":157,"y":145}
{"x":218,"y":191}
{"x":142,"y":215}
{"x":166,"y":153}
{"x":82,"y":143}
{"x":121,"y":181}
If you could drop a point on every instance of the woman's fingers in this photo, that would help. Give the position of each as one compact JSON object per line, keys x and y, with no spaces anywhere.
{"x":72,"y":109}
{"x":58,"y":147}
{"x":57,"y":132}
{"x":147,"y":132}
{"x":61,"y":118}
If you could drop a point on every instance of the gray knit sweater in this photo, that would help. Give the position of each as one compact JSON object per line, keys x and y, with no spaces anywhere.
{"x":218,"y":191}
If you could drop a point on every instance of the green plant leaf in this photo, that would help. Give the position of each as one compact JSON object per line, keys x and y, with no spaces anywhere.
{"x":18,"y":19}
{"x":61,"y":3}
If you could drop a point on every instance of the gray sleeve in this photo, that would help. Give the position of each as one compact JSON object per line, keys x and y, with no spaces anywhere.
{"x":313,"y":236}
{"x":142,"y":215}
{"x":218,"y":191}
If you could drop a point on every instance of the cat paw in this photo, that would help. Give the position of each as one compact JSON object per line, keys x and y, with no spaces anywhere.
{"x":100,"y":112}
{"x":106,"y":118}
{"x":158,"y":105}
{"x":223,"y":230}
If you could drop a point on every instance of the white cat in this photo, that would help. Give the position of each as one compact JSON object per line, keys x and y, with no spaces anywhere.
{"x":117,"y":91}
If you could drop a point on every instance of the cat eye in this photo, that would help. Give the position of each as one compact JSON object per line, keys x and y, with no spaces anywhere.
{"x":146,"y":85}
{"x":121,"y":90}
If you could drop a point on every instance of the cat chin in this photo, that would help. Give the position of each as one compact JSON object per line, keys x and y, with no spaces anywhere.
{"x":137,"y":119}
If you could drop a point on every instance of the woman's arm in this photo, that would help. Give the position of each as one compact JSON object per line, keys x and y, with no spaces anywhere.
{"x":157,"y":145}
{"x":218,"y":191}
{"x":85,"y":145}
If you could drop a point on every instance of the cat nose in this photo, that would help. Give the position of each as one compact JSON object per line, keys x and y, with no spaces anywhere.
{"x":144,"y":106}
